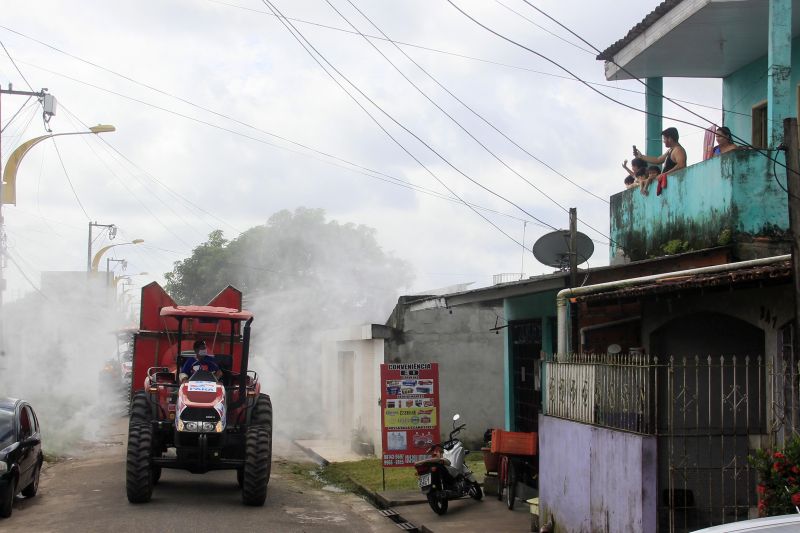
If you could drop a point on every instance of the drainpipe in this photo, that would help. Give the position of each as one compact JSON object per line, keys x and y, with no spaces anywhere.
{"x":562,"y":299}
{"x":604,"y":325}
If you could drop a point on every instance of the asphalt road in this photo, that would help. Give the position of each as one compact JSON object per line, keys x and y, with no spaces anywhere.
{"x":87,"y":494}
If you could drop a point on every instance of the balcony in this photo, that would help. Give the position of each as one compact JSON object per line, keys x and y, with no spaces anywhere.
{"x":732,"y":200}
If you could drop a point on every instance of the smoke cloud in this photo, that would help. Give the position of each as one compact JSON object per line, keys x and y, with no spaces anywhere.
{"x":56,"y":346}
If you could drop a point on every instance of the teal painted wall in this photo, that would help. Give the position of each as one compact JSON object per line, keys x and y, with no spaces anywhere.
{"x":735,"y":192}
{"x":748,"y":86}
{"x":539,"y":305}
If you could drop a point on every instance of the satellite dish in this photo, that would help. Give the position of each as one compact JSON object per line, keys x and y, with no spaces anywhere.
{"x":552,"y":249}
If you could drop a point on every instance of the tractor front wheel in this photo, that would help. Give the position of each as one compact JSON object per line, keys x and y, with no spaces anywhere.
{"x":257,"y":465}
{"x":139,"y":473}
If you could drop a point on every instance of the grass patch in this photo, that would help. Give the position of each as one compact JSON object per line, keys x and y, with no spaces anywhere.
{"x":367,"y":473}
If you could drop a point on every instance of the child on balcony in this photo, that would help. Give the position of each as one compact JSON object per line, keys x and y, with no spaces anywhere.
{"x":652,"y":175}
{"x":636,"y":174}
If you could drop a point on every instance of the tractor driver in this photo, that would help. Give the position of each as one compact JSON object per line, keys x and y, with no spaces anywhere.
{"x":201,"y":361}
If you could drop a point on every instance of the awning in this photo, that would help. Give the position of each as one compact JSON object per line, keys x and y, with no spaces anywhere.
{"x":694,"y":39}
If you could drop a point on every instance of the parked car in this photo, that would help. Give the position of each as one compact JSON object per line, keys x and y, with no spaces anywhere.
{"x":20,"y":452}
{"x":773,"y":524}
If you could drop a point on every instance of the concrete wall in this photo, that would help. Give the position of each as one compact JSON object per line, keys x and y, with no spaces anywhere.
{"x":470,"y":360}
{"x":732,"y":199}
{"x":596,"y":479}
{"x":351,"y":401}
{"x":748,"y":86}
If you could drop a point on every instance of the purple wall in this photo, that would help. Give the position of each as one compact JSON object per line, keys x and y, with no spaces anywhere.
{"x":596,"y":479}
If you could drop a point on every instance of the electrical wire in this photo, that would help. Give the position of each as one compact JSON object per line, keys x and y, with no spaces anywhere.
{"x":469,"y":108}
{"x":435,"y":50}
{"x":402,"y":183}
{"x":520,"y":15}
{"x":16,"y":67}
{"x":25,"y":103}
{"x":66,"y":174}
{"x":10,"y":256}
{"x":448,"y":115}
{"x":142,"y":203}
{"x":385,"y":113}
{"x":292,"y":29}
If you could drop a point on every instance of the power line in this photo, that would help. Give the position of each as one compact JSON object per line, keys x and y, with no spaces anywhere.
{"x":389,"y":178}
{"x":481,"y":117}
{"x":71,"y":186}
{"x":8,"y":123}
{"x":384,"y":112}
{"x":292,"y":29}
{"x":520,"y":15}
{"x":448,"y":115}
{"x":16,"y":67}
{"x":440,"y":51}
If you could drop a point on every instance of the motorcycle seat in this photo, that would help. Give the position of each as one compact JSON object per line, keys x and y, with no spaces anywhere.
{"x":434,"y":461}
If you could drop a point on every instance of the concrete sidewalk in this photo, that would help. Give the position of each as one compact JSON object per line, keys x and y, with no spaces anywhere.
{"x":411,"y":512}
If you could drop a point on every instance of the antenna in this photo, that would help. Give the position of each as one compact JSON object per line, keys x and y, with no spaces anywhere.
{"x":552,"y":249}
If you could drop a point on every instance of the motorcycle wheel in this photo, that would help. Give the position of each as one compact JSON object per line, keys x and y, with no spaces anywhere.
{"x":437,"y":503}
{"x":511,"y":486}
{"x":475,"y":492}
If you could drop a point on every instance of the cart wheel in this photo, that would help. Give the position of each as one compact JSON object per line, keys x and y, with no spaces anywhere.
{"x":511,"y":486}
{"x":502,"y":476}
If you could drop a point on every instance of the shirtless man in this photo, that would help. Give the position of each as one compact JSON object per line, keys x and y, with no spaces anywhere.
{"x":673,"y":159}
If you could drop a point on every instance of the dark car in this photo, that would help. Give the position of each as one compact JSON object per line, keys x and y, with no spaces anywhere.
{"x":20,"y":452}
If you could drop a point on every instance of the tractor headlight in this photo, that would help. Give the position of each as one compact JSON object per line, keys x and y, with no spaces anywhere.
{"x":199,"y":427}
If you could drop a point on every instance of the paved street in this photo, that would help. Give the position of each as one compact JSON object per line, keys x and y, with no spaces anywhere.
{"x":87,"y":494}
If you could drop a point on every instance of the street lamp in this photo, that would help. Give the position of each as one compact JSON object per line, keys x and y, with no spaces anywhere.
{"x":9,"y":186}
{"x":8,"y":183}
{"x":104,"y":249}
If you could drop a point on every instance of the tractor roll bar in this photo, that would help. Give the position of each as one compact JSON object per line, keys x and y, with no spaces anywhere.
{"x":243,"y":366}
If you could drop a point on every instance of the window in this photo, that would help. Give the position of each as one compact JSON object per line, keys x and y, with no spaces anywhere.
{"x":760,"y":130}
{"x":25,"y":427}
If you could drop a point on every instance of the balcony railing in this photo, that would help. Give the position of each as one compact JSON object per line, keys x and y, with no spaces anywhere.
{"x":734,"y":200}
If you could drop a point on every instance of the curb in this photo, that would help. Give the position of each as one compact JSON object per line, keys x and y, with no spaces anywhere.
{"x":383,"y":505}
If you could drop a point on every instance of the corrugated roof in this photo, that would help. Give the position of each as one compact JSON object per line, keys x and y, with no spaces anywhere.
{"x":778,"y":272}
{"x":662,"y":9}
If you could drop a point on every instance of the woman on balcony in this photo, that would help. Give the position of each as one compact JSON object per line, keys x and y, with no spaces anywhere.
{"x":724,"y":141}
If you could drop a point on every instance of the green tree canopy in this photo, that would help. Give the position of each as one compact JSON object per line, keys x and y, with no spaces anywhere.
{"x":293,"y":251}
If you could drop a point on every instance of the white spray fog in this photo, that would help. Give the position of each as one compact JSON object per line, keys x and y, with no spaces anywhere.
{"x":56,"y":346}
{"x":300,"y":275}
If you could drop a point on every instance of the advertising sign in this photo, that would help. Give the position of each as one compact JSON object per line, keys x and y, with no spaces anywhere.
{"x":410,"y":411}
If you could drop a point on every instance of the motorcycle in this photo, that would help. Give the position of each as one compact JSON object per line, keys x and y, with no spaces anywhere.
{"x":446,"y":477}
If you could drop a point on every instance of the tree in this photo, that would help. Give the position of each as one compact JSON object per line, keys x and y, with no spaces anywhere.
{"x":341,"y":267}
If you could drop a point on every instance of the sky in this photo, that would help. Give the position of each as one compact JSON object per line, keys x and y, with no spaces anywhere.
{"x":223,"y":119}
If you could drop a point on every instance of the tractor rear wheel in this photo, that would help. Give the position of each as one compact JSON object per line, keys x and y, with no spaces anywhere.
{"x":262,"y":412}
{"x":139,"y":474}
{"x":257,"y":465}
{"x":140,"y":410}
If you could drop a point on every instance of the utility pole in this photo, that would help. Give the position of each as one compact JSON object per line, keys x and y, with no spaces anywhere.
{"x":49,"y":106}
{"x":793,"y":186}
{"x":573,"y":246}
{"x":112,"y":232}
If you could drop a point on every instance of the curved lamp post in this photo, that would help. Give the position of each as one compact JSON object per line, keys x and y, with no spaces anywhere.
{"x":104,"y":249}
{"x":9,"y":195}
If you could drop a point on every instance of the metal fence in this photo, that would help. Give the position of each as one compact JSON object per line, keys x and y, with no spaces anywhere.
{"x":707,"y":413}
{"x":614,"y":391}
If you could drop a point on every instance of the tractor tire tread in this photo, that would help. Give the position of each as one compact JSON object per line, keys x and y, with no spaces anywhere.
{"x":257,"y":465}
{"x":139,"y":474}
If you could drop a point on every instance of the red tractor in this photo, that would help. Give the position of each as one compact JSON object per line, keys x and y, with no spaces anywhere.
{"x":205,"y":423}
